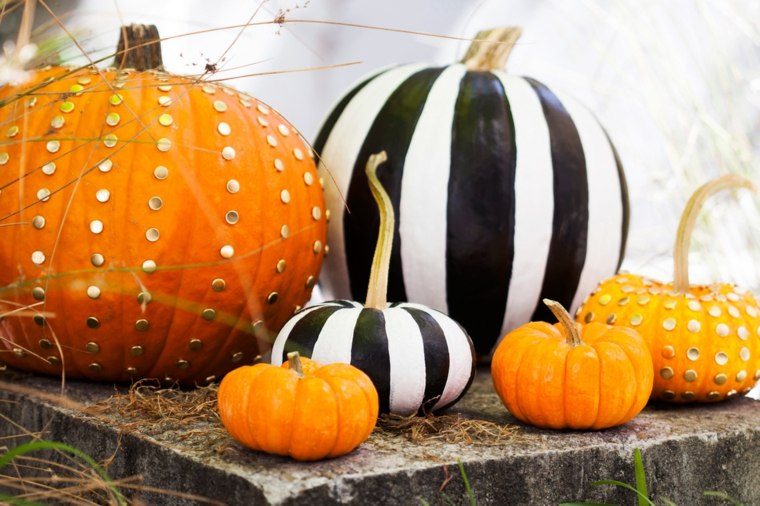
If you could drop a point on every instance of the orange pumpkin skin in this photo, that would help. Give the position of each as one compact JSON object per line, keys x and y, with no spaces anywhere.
{"x":326,"y":413}
{"x":705,"y":342}
{"x":547,"y":382}
{"x":150,"y":225}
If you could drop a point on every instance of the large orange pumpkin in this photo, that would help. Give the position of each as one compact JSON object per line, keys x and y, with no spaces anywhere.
{"x":151,"y":225}
{"x":300,"y":409}
{"x":705,"y":339}
{"x":572,"y":376}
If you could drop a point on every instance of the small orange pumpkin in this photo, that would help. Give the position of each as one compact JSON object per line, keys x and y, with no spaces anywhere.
{"x":572,"y":376}
{"x":704,"y":338}
{"x":300,"y":409}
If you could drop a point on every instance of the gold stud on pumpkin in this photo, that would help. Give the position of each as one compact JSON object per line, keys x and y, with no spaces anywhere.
{"x":704,"y":339}
{"x":300,"y":409}
{"x":572,"y":376}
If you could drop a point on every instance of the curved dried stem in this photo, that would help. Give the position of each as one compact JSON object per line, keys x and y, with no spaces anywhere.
{"x":294,"y":361}
{"x":572,"y":333}
{"x":25,"y":28}
{"x":491,"y":48}
{"x":377,"y":291}
{"x":689,"y":218}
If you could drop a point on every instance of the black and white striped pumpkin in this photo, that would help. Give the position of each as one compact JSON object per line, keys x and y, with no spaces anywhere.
{"x":506,"y":192}
{"x":419,"y":359}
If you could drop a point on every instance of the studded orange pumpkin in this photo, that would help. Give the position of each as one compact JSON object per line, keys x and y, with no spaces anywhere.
{"x":705,"y":339}
{"x":572,"y":376}
{"x":300,"y":408}
{"x":151,"y":225}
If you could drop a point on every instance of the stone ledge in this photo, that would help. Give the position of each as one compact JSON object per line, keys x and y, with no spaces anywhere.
{"x":687,"y":450}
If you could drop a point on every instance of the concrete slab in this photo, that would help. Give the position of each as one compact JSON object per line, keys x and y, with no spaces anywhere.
{"x":687,"y":450}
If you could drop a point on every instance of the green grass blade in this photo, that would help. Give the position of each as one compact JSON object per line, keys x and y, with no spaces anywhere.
{"x":668,"y":502}
{"x":641,"y":478}
{"x":586,"y":504}
{"x":15,"y":501}
{"x":724,"y":496}
{"x":33,"y":446}
{"x":616,"y":483}
{"x":448,"y":500}
{"x":470,"y":493}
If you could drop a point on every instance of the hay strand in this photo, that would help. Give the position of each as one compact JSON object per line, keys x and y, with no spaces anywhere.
{"x":450,"y":428}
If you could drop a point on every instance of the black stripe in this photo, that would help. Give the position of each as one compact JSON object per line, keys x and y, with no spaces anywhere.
{"x":335,"y":113}
{"x":304,"y":334}
{"x":481,"y":208}
{"x":369,"y":352}
{"x":391,"y":131}
{"x":337,"y":302}
{"x":436,"y":351}
{"x":623,"y":202}
{"x":567,"y":249}
{"x":344,"y":303}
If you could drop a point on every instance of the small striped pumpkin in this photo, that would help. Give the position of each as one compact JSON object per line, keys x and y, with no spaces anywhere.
{"x":416,"y":357}
{"x":419,"y":359}
{"x":507,"y":193}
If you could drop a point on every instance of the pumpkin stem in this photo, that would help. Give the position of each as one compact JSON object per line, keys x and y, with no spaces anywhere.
{"x":689,"y":218}
{"x":25,"y":27}
{"x":139,"y":48}
{"x":294,"y":361}
{"x":573,"y":335}
{"x":377,"y":291}
{"x":490,"y":49}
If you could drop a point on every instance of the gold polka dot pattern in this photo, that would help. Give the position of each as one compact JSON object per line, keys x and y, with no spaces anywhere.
{"x":151,"y":211}
{"x":705,"y":343}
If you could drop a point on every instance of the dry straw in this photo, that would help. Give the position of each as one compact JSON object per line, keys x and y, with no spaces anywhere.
{"x":448,"y":428}
{"x":153,"y":410}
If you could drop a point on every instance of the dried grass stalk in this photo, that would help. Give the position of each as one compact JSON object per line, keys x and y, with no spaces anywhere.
{"x":187,"y":416}
{"x":450,"y":428}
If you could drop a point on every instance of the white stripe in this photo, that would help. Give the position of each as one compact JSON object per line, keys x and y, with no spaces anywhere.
{"x":339,"y":154}
{"x":534,"y":202}
{"x":460,"y":356}
{"x":282,"y":337}
{"x":347,"y":91}
{"x":424,"y":194}
{"x":407,"y":359}
{"x":336,"y":337}
{"x":604,"y":205}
